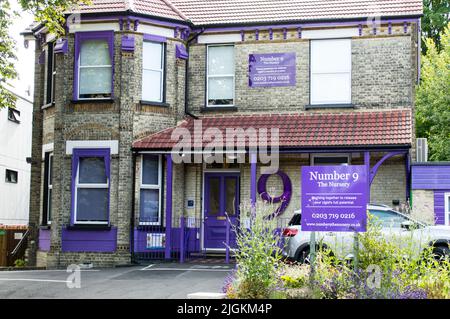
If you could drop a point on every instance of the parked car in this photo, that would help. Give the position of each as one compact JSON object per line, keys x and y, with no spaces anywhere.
{"x":395,"y":226}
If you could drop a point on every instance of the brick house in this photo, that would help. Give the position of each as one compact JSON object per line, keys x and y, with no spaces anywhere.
{"x":129,"y":75}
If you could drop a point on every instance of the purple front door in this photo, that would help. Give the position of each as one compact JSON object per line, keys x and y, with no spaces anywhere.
{"x":221,"y":196}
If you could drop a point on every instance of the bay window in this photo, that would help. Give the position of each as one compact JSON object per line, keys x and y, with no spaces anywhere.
{"x":331,"y":65}
{"x":220,"y":75}
{"x":90,"y":182}
{"x":150,"y":190}
{"x":153,"y":71}
{"x":93,"y":65}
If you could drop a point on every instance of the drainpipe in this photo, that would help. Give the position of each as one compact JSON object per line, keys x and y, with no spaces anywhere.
{"x":133,"y":185}
{"x":186,"y":82}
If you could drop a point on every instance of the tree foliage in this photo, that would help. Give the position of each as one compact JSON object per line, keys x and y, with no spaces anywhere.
{"x":433,"y":98}
{"x":49,"y":12}
{"x":435,"y":19}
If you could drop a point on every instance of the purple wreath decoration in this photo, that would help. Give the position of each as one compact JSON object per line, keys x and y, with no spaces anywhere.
{"x":284,"y":199}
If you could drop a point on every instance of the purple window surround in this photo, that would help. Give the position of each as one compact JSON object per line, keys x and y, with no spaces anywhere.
{"x":99,"y":241}
{"x":180,"y":52}
{"x":154,"y":38}
{"x":61,"y":46}
{"x":76,"y":155}
{"x":44,"y":239}
{"x":128,"y":43}
{"x":92,"y":35}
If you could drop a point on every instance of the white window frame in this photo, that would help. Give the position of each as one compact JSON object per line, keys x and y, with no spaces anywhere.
{"x":93,"y":66}
{"x":447,"y":209}
{"x":311,"y":74}
{"x":220,"y":76}
{"x":313,"y":157}
{"x":49,"y":186}
{"x":161,"y":71}
{"x":151,"y":186}
{"x":92,"y":186}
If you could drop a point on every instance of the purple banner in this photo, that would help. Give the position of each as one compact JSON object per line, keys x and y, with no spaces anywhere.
{"x":334,"y":198}
{"x":274,"y":69}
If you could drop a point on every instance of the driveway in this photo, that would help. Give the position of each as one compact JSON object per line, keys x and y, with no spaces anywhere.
{"x":154,"y":281}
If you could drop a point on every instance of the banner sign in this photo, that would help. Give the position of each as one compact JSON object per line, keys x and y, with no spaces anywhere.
{"x":334,"y":198}
{"x":270,"y":70}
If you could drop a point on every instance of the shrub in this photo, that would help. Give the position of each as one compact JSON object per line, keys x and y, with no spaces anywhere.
{"x":19,"y":263}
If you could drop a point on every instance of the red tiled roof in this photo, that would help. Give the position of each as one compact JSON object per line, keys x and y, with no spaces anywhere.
{"x":380,"y":128}
{"x":206,"y":12}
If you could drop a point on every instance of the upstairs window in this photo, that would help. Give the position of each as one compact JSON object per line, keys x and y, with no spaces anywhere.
{"x":94,"y":65}
{"x":153,"y":72}
{"x":90,"y":186}
{"x":150,"y":194}
{"x":13,"y":115}
{"x":331,"y":66}
{"x":220,"y":75}
{"x":51,"y":73}
{"x":11,"y":176}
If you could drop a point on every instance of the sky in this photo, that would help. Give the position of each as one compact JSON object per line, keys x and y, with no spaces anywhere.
{"x":25,"y":63}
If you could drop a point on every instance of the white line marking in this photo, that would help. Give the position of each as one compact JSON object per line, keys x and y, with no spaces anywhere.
{"x":36,"y":280}
{"x":42,"y":271}
{"x":146,"y":268}
{"x":187,"y":269}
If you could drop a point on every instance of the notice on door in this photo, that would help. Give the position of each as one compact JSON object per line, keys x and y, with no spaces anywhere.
{"x":274,"y":69}
{"x":334,"y":198}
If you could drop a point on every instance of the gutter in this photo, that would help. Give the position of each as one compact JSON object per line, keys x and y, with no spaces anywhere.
{"x":186,"y":82}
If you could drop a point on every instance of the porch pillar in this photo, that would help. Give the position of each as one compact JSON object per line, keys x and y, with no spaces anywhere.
{"x":367,"y":164}
{"x":253,"y":181}
{"x":169,"y":174}
{"x":408,"y":175}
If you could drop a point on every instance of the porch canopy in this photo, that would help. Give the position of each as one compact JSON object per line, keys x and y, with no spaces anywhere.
{"x":387,"y":131}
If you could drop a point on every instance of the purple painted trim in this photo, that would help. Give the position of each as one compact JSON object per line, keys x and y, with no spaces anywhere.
{"x":128,"y":24}
{"x":284,"y":199}
{"x":154,"y":38}
{"x":439,"y":206}
{"x":390,"y":27}
{"x":374,"y":29}
{"x":431,"y":177}
{"x":367,"y":164}
{"x":242,"y":36}
{"x":296,"y":25}
{"x":169,"y":190}
{"x":374,"y":170}
{"x":253,"y":179}
{"x":284,"y":33}
{"x":299,"y":30}
{"x":41,"y":59}
{"x":408,"y":175}
{"x":44,"y":239}
{"x":128,"y":43}
{"x":360,"y":29}
{"x":405,"y":27}
{"x":182,"y":239}
{"x":61,"y":46}
{"x":419,"y":49}
{"x":89,"y":240}
{"x":121,"y":24}
{"x":84,"y":152}
{"x":227,"y":242}
{"x":181,"y":52}
{"x":92,"y":35}
{"x":270,"y":34}
{"x":136,"y":24}
{"x":176,"y":32}
{"x":256,"y":34}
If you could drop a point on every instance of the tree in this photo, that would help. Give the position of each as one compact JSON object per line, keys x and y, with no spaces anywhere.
{"x":433,"y":98}
{"x":435,"y":18}
{"x":49,"y":12}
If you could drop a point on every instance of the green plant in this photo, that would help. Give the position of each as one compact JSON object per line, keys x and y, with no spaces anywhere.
{"x":257,"y":254}
{"x":19,"y":263}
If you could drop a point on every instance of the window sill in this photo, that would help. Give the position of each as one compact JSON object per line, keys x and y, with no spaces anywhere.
{"x":219,"y":108}
{"x":46,"y":106}
{"x":90,"y":101}
{"x":329,"y":106}
{"x":88,"y":227}
{"x":150,"y":103}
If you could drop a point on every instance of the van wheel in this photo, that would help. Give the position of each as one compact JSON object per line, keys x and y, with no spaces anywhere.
{"x":440,"y":253}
